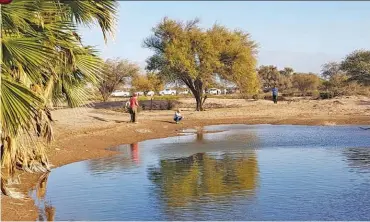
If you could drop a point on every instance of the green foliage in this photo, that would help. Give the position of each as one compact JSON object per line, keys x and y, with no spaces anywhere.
{"x":186,"y":52}
{"x":41,"y":48}
{"x":357,"y":66}
{"x":349,"y":77}
{"x":164,"y":97}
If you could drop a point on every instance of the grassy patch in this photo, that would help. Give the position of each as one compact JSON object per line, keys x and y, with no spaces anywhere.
{"x":166,"y":97}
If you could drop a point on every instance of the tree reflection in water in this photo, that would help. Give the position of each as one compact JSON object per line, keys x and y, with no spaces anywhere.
{"x":199,"y":137}
{"x":186,"y":179}
{"x":205,"y":174}
{"x":46,"y":210}
{"x":128,"y":158}
{"x":358,"y":158}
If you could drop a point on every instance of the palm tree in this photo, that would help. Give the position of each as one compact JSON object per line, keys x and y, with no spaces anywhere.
{"x":44,"y":61}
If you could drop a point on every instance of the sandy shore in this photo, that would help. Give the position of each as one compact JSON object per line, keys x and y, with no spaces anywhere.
{"x":84,"y":133}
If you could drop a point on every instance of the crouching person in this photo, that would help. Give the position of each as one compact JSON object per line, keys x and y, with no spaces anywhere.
{"x":178,"y":116}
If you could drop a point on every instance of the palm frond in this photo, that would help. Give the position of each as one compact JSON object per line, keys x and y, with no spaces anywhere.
{"x":91,"y":11}
{"x":90,"y":67}
{"x":15,"y":16}
{"x":18,"y":105}
{"x":41,"y":46}
{"x":25,"y":54}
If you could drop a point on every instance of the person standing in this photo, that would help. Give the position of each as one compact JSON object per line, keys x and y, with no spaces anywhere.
{"x":274,"y":94}
{"x":133,"y":108}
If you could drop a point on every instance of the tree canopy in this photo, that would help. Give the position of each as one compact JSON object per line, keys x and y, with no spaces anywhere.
{"x":357,"y":66}
{"x":305,"y":82}
{"x":270,"y":76}
{"x":331,"y":69}
{"x":184,"y":51}
{"x":115,"y":72}
{"x":287,"y":71}
{"x":148,"y":82}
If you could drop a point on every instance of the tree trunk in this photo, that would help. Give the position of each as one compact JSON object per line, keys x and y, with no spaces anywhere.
{"x":198,"y":100}
{"x":196,"y":88}
{"x":105,"y":97}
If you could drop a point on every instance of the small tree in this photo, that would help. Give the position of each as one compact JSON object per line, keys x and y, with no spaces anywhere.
{"x":287,"y":71}
{"x":186,"y":52}
{"x":115,"y":72}
{"x":336,"y":84}
{"x":331,"y":69}
{"x":145,"y":83}
{"x":305,"y":82}
{"x":140,"y":83}
{"x":270,"y":76}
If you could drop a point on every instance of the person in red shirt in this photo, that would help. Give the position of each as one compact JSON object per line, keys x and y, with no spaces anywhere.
{"x":133,"y":108}
{"x":135,"y":152}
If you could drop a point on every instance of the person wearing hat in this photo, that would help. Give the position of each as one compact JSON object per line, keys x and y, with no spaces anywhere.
{"x":133,"y":108}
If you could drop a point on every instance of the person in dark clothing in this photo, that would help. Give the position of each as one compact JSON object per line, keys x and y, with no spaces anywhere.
{"x":274,"y":94}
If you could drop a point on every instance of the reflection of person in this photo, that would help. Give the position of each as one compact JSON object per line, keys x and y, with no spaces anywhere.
{"x":274,"y":94}
{"x":178,"y":116}
{"x":133,"y":108}
{"x":135,"y":152}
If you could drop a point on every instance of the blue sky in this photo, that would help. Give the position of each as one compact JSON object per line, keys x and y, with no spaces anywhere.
{"x":302,"y":35}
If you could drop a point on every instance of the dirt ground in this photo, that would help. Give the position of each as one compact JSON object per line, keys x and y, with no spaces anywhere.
{"x":85,"y":133}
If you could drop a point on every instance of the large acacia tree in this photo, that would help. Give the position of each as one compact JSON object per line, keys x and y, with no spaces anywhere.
{"x":184,"y":51}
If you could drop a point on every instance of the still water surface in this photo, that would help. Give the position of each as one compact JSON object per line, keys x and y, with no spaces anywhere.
{"x":232,"y":172}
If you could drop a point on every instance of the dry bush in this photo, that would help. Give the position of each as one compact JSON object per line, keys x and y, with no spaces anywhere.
{"x":354,"y":88}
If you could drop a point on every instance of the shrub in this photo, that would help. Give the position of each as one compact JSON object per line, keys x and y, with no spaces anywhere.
{"x":326,"y":95}
{"x":315,"y":94}
{"x":170,"y":104}
{"x":165,"y":97}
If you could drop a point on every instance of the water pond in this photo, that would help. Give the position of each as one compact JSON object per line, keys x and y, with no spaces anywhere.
{"x":225,"y":172}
